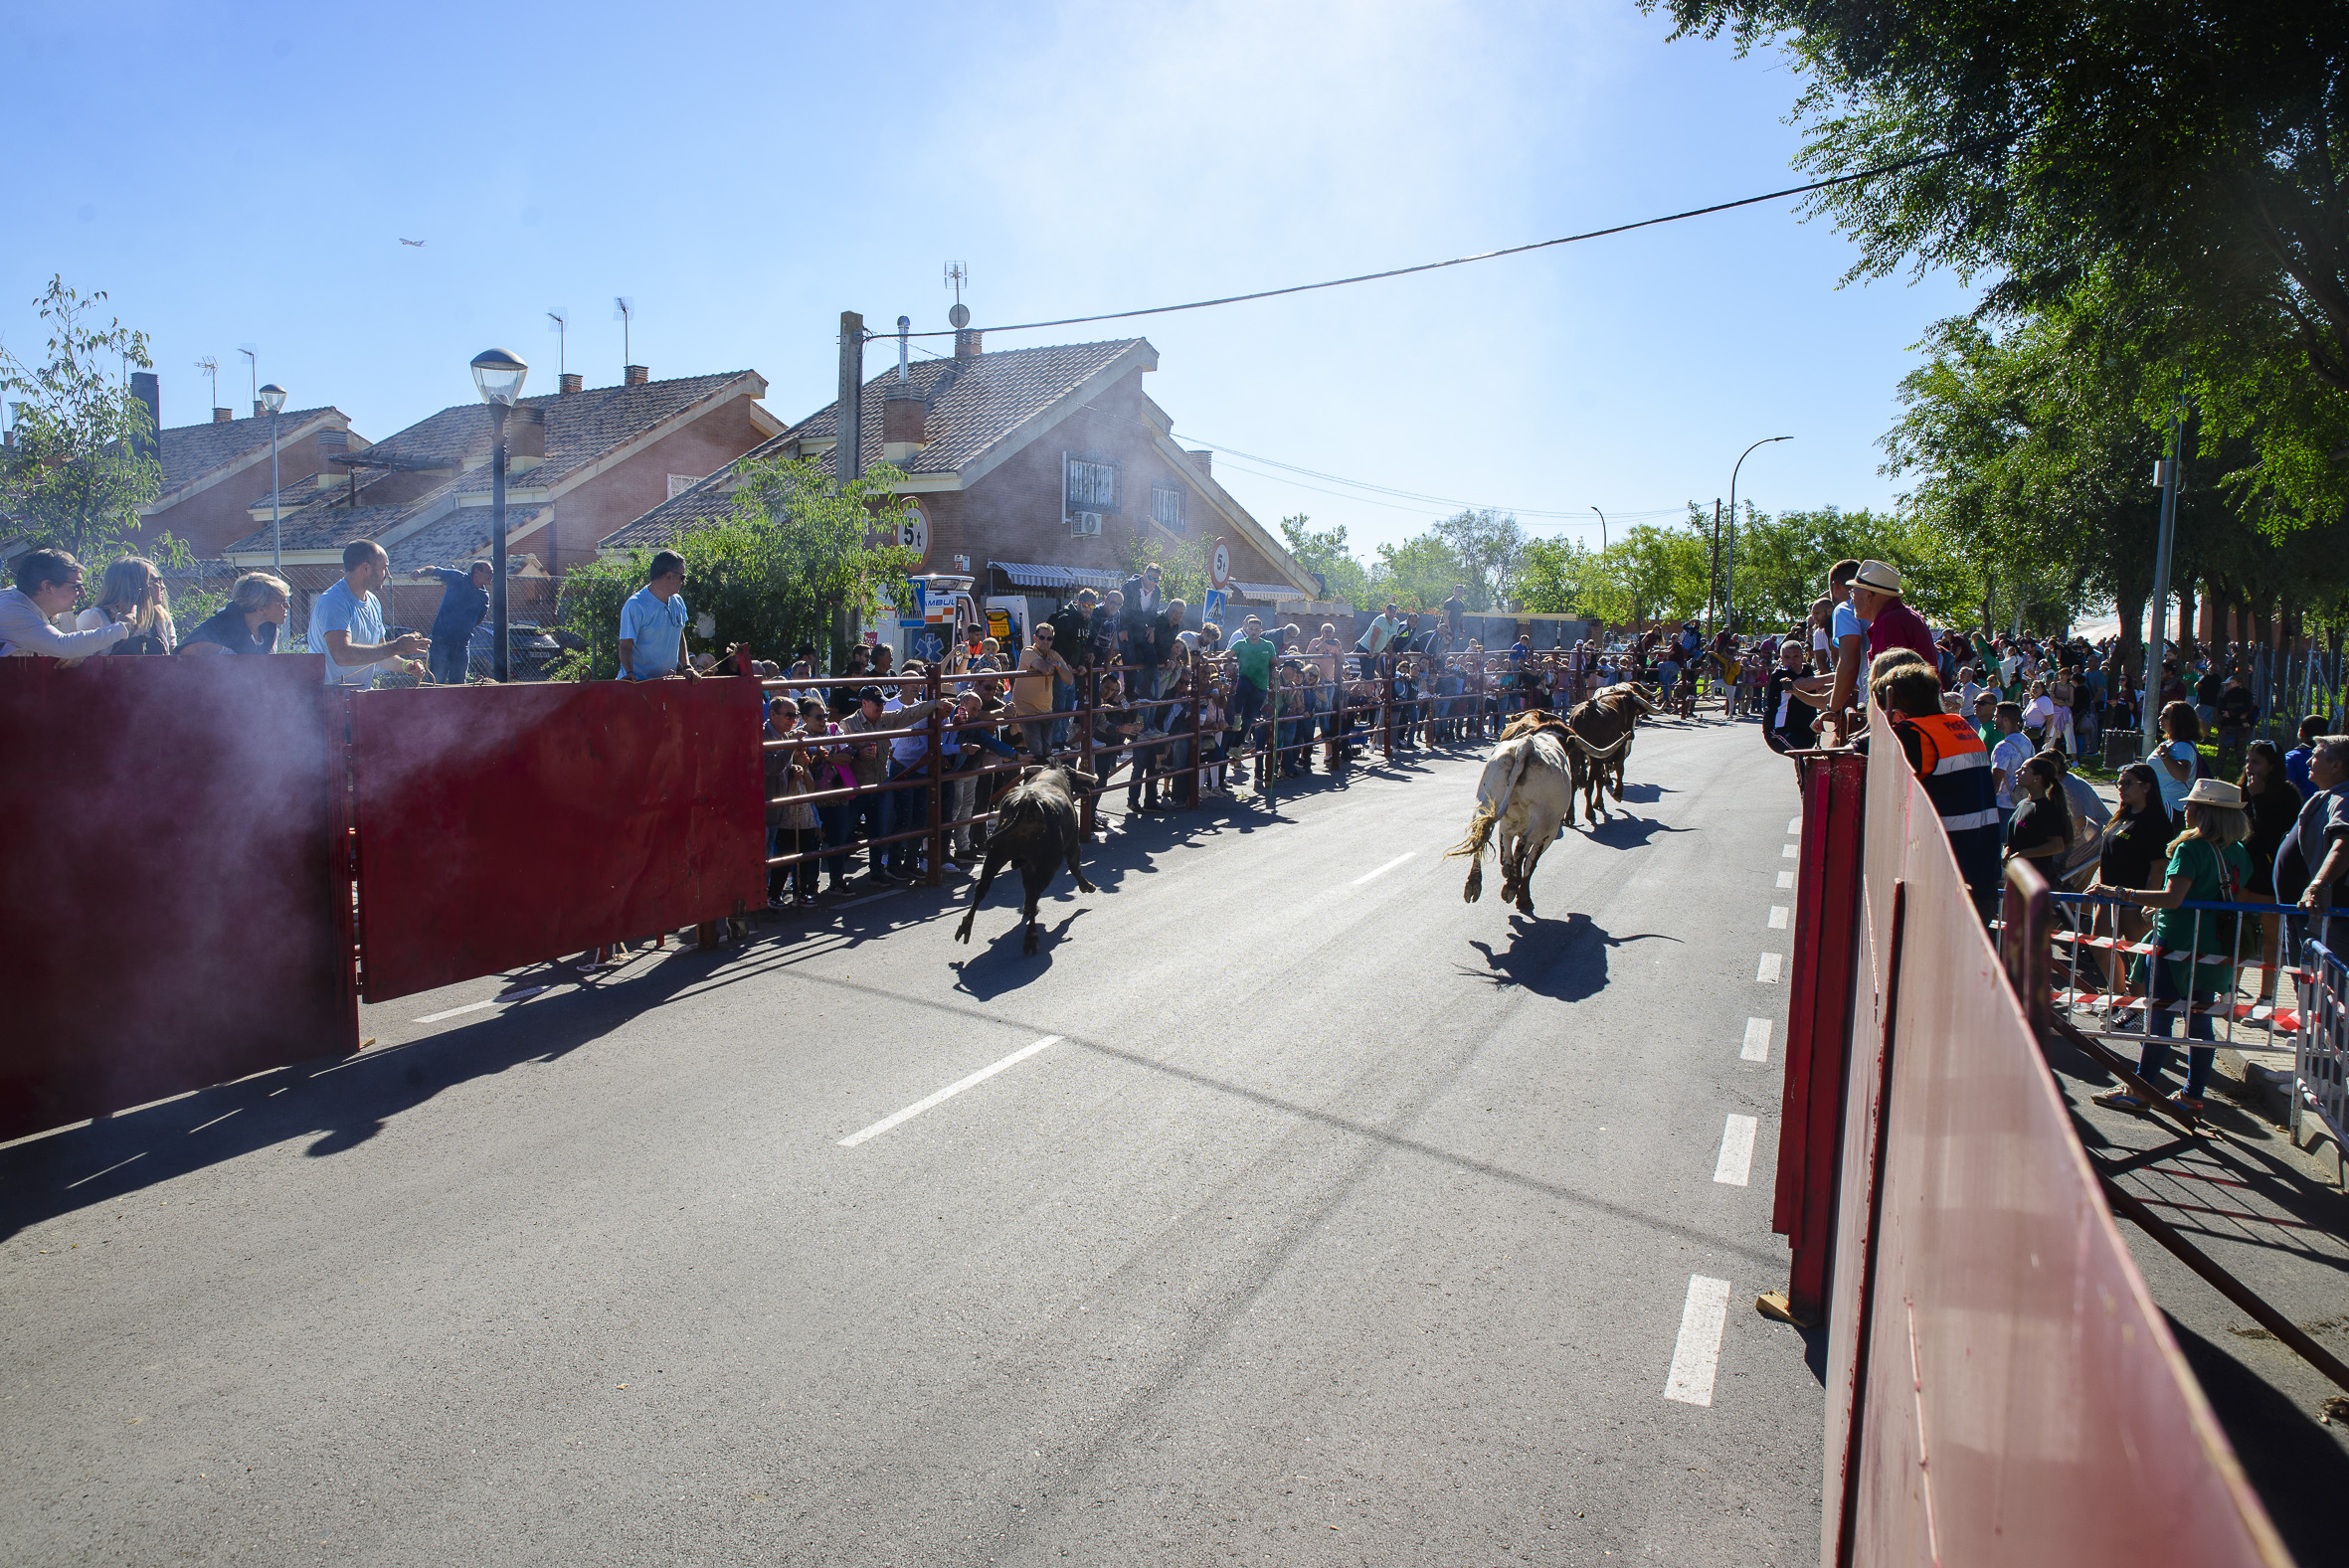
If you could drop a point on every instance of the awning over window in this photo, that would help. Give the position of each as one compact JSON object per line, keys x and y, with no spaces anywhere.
{"x":1027,"y":575}
{"x":1268,"y":592}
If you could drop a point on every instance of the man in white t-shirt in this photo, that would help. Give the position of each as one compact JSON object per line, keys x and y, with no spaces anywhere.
{"x":2007,"y":758}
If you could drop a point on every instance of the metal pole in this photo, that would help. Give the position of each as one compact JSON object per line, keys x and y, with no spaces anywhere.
{"x":1713,"y":578}
{"x":2149,"y":696}
{"x":276,"y":539}
{"x":500,"y":661}
{"x":848,"y":427}
{"x":1602,"y":531}
{"x":1730,"y":576}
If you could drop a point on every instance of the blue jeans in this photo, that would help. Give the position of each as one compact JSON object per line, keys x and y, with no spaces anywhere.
{"x":1064,"y":697}
{"x":833,"y":826}
{"x":864,"y":813}
{"x":1247,"y":705}
{"x":2156,"y":1058}
{"x":447,"y":661}
{"x":908,"y":809}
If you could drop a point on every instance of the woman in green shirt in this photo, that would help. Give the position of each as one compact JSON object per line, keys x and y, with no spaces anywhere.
{"x":2194,"y":950}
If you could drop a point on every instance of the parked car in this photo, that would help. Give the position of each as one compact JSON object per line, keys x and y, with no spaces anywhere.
{"x":529,"y":649}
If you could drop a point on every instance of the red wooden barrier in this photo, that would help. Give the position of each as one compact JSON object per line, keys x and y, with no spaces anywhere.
{"x":1818,"y":1025}
{"x":170,"y":915}
{"x":2001,"y":1387}
{"x":504,"y":825}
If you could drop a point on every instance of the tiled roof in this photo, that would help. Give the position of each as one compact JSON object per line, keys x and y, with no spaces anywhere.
{"x":974,"y":403}
{"x":463,"y":536}
{"x":192,"y":452}
{"x":581,"y":428}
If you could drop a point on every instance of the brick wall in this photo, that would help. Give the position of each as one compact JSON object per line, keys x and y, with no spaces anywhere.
{"x":623,"y":493}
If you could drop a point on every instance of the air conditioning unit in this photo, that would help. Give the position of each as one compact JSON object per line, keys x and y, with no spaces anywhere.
{"x":1087,"y":523}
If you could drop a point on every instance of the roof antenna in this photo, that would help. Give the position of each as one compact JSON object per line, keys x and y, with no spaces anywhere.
{"x":210,"y":365}
{"x":559,"y":323}
{"x":904,"y":325}
{"x":957,"y":276}
{"x":623,"y":311}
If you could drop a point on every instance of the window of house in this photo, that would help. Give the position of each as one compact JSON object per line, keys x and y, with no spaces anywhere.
{"x":679,"y":483}
{"x":1165,"y":506}
{"x":1092,"y":486}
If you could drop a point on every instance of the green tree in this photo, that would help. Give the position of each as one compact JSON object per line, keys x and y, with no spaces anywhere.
{"x":1325,"y":550}
{"x":800,"y":558}
{"x":1417,"y":574}
{"x":1555,"y":577}
{"x":2189,"y":156}
{"x":81,"y":466}
{"x":1181,"y":563}
{"x":1489,"y":548}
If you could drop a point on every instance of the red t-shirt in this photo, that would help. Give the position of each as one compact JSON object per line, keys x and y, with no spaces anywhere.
{"x":1897,"y":626}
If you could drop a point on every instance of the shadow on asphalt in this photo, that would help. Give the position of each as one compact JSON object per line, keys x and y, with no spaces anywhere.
{"x":1561,"y":959}
{"x":1628,"y":832}
{"x":342,"y":1100}
{"x":2298,"y":1467}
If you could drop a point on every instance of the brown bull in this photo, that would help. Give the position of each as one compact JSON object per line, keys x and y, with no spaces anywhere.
{"x":1600,"y":736}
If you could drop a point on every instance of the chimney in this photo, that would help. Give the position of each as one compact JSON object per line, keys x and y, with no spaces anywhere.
{"x":967,"y":342}
{"x":635,"y":375}
{"x":223,"y":416}
{"x":525,"y":438}
{"x":149,"y":390}
{"x":332,"y":443}
{"x":569,"y":381}
{"x":1207,"y":462}
{"x":904,"y":431}
{"x":258,"y":411}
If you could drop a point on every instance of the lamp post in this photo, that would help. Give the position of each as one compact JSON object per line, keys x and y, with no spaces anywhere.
{"x":1728,"y":576}
{"x":1602,"y":531}
{"x":499,"y":376}
{"x":272,"y":398}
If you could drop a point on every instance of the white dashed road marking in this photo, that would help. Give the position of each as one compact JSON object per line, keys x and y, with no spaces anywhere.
{"x":494,"y":1002}
{"x":1382,"y":870}
{"x":1794,"y":826}
{"x":1736,"y":1151}
{"x":948,"y":1093}
{"x":1757,"y":1040}
{"x":1786,"y":879}
{"x":1789,"y":851}
{"x":1697,"y":1355}
{"x":1767,"y":972}
{"x":1778,"y":914}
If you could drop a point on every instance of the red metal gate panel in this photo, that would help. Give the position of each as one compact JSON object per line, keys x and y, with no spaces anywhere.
{"x":505,"y":825}
{"x":2021,"y":1400}
{"x":169,"y":916}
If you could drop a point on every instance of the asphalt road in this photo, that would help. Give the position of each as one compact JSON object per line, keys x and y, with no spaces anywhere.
{"x":1339,"y":1221}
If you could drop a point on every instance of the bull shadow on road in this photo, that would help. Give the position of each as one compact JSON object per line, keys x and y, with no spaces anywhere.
{"x":1619,"y":831}
{"x":1565,"y":960}
{"x":999,"y":966}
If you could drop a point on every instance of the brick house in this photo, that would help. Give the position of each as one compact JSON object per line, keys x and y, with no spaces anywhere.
{"x":581,"y":462}
{"x":1035,"y":469}
{"x":211,"y":471}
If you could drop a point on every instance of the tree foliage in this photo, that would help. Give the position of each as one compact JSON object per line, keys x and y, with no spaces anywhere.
{"x":1325,"y":551}
{"x":81,"y":465}
{"x":2186,"y":159}
{"x":798,"y":559}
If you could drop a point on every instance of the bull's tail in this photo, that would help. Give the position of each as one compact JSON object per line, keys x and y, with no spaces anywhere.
{"x":1487,"y":812}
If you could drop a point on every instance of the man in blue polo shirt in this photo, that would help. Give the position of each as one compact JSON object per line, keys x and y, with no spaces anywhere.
{"x":653,"y":622}
{"x":464,"y":601}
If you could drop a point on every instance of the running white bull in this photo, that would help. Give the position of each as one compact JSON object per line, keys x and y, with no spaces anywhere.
{"x":1525,"y":795}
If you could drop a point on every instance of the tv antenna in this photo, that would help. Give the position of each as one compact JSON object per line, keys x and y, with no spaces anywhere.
{"x":958,"y":276}
{"x":252,"y":364}
{"x":623,"y":311}
{"x":210,"y":365}
{"x":559,"y":323}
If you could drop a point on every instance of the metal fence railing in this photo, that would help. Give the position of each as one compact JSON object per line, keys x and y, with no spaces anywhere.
{"x":2110,"y":972}
{"x":2320,"y":1064}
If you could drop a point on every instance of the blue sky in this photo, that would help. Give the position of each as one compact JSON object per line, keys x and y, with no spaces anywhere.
{"x":244,"y":174}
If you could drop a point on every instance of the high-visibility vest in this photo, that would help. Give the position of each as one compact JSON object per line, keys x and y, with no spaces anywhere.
{"x":1954,"y":768}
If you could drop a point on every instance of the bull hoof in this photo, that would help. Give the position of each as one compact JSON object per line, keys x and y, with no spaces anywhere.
{"x":1474,"y":889}
{"x":1086,"y":887}
{"x":1524,"y":905}
{"x":963,"y":932}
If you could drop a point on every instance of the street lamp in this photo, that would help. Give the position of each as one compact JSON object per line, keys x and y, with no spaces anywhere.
{"x":1730,"y":559}
{"x":499,"y":376}
{"x":272,"y":398}
{"x":1602,"y":531}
